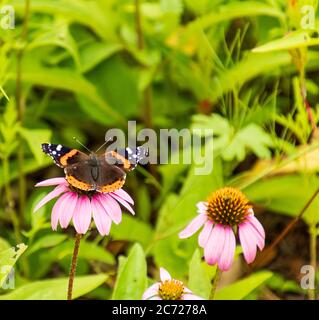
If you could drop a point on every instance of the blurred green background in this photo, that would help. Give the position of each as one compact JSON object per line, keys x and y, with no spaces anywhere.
{"x":247,"y":69}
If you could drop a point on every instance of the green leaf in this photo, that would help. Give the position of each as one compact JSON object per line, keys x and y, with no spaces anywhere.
{"x":8,"y":258}
{"x":297,"y":39}
{"x":177,"y":211}
{"x":232,"y":143}
{"x":219,"y":124}
{"x":172,"y":6}
{"x":89,"y":13}
{"x":117,"y":84}
{"x":131,"y":280}
{"x":195,"y":188}
{"x":287,"y":195}
{"x":55,"y":289}
{"x":38,"y":219}
{"x":4,"y":93}
{"x":34,"y":138}
{"x":253,"y":65}
{"x":9,"y":126}
{"x":73,"y":82}
{"x":240,"y":289}
{"x":4,"y":244}
{"x":132,"y":229}
{"x":233,"y":10}
{"x":46,"y":241}
{"x":174,"y":254}
{"x":94,"y":53}
{"x":59,"y":35}
{"x":30,"y":165}
{"x":88,"y":250}
{"x":199,"y":281}
{"x":251,"y":137}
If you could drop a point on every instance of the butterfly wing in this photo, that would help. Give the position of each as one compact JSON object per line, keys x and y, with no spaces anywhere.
{"x":63,"y":156}
{"x":127,"y":158}
{"x":110,"y":177}
{"x":106,"y":174}
{"x":79,"y":175}
{"x":75,"y":164}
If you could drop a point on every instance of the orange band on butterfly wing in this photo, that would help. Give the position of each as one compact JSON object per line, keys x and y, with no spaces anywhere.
{"x":64,"y":159}
{"x":78,"y":184}
{"x":127,"y":165}
{"x":112,"y":187}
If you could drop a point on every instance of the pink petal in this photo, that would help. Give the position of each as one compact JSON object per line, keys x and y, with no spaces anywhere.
{"x":102,"y":220}
{"x":202,"y":207}
{"x":151,"y":291}
{"x":257,"y":225}
{"x":57,"y":211}
{"x":67,"y":209}
{"x":205,"y":233}
{"x":248,"y":245}
{"x":124,"y":195}
{"x":111,"y":207}
{"x":193,"y":226}
{"x":164,"y":275}
{"x":52,"y":182}
{"x":215,"y":244}
{"x":51,"y":195}
{"x":227,"y":256}
{"x":255,"y":236}
{"x":155,"y":298}
{"x":82,"y":215}
{"x":191,"y":296}
{"x":123,"y":203}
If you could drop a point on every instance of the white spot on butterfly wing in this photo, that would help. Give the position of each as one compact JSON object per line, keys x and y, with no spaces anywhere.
{"x":59,"y":147}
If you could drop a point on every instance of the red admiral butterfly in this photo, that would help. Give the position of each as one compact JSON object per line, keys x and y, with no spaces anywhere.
{"x":102,"y":173}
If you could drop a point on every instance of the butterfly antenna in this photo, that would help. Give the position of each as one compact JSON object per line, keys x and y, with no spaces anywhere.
{"x":103,"y":144}
{"x":80,"y":143}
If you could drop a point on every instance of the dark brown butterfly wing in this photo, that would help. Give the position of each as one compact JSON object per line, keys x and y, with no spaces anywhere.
{"x":79,"y":175}
{"x":110,"y":177}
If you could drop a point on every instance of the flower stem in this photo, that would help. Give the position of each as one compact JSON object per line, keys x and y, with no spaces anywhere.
{"x":313,"y":257}
{"x":73,"y":264}
{"x":215,"y":283}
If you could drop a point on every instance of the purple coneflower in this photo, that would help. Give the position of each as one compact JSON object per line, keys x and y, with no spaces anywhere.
{"x":224,"y":213}
{"x":168,"y":289}
{"x":79,"y":206}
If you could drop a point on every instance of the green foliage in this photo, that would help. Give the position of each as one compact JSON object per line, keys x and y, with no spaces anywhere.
{"x":8,"y":258}
{"x":287,"y":195}
{"x":199,"y":280}
{"x":54,"y":289}
{"x":240,"y":289}
{"x":8,"y":128}
{"x":132,"y":229}
{"x":131,"y":279}
{"x":245,"y":69}
{"x":234,"y":144}
{"x":294,"y":40}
